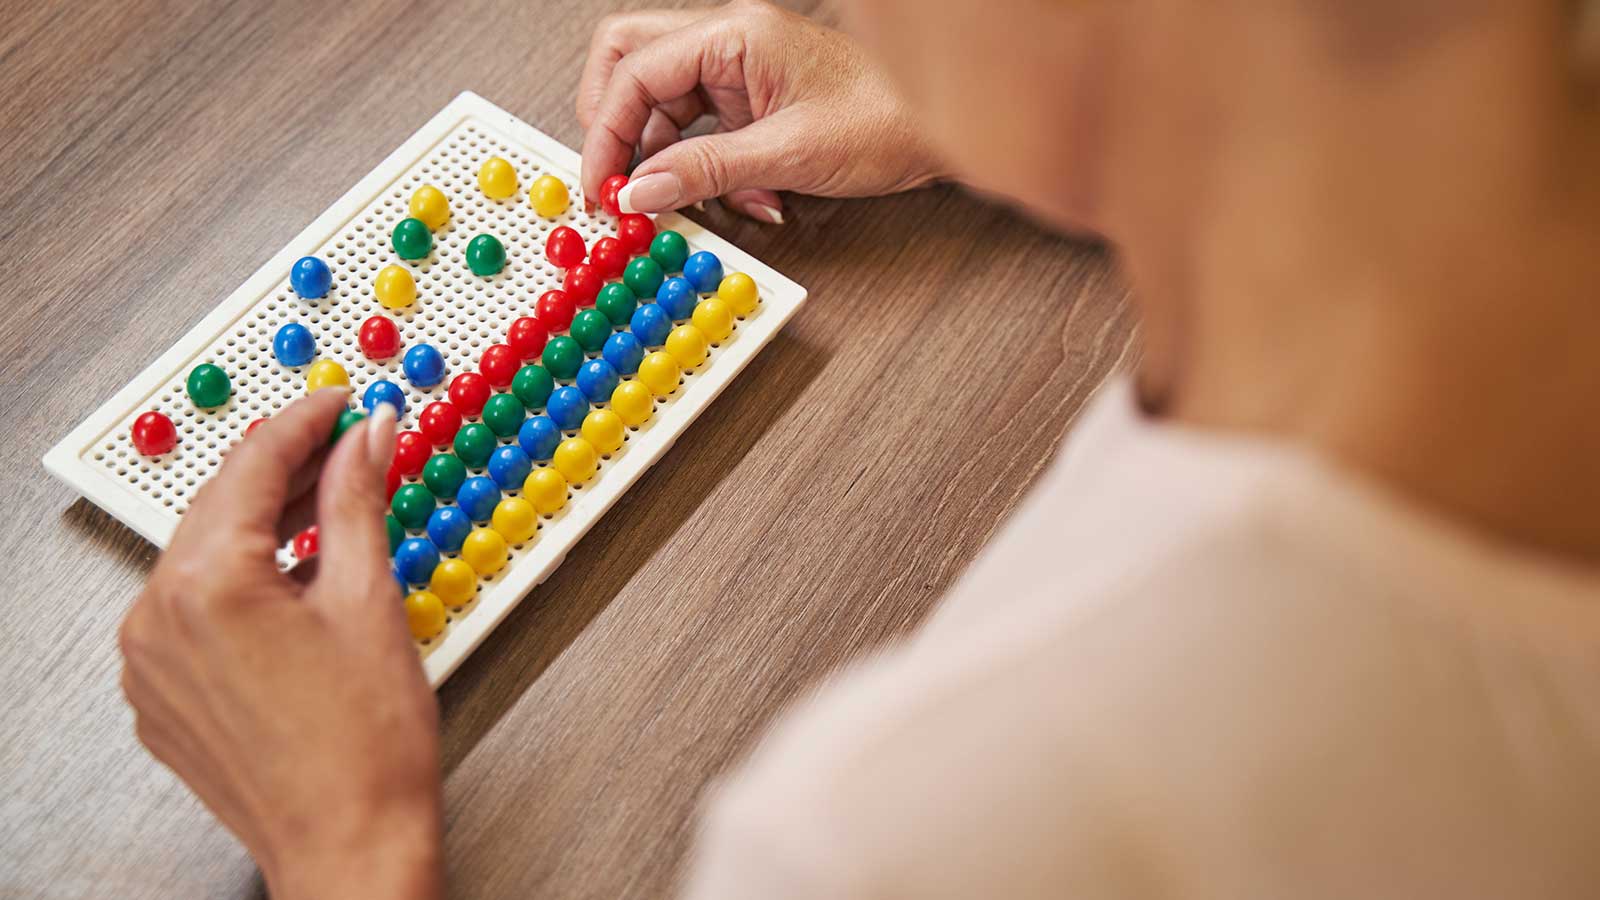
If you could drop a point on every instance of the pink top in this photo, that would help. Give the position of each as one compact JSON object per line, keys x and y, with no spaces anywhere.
{"x":1197,"y":666}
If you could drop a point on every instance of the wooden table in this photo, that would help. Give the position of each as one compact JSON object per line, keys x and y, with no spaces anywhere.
{"x":153,"y":155}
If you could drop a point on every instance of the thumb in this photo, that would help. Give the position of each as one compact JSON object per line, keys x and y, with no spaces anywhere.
{"x":762,"y":154}
{"x":350,"y":508}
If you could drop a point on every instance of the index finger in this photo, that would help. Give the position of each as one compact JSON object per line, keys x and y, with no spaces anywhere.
{"x":616,"y":36}
{"x":658,"y":73}
{"x":253,"y":484}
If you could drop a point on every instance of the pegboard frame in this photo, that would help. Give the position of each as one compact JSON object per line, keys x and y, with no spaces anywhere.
{"x":530,"y":566}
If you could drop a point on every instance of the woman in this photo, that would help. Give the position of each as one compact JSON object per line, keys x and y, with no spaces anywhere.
{"x":1313,"y":608}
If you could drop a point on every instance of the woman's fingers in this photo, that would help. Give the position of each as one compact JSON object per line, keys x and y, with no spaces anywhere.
{"x":659,"y":134}
{"x":300,"y":501}
{"x":758,"y":204}
{"x":802,"y":108}
{"x":668,"y":121}
{"x":354,"y":542}
{"x":253,"y":485}
{"x":758,"y":156}
{"x":655,"y":75}
{"x":615,"y":37}
{"x":299,"y":514}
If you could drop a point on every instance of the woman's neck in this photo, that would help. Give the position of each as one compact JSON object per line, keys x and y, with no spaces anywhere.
{"x":1476,"y":395}
{"x":1402,"y":273}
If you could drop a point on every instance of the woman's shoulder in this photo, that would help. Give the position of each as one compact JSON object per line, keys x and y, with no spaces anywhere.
{"x":1303,"y":682}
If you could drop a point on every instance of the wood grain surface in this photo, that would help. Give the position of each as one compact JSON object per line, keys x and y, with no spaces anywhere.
{"x":152,"y":155}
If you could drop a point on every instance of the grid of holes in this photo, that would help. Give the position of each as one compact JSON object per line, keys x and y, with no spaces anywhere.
{"x":458,"y":312}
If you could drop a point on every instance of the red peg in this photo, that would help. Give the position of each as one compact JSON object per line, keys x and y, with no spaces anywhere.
{"x":379,"y":338}
{"x":564,"y":247}
{"x":439,"y":421}
{"x":305,"y":543}
{"x":411,"y":452}
{"x":527,"y":336}
{"x":582,"y":284}
{"x":636,"y":231}
{"x":154,"y":434}
{"x":555,"y":309}
{"x":499,"y":365}
{"x":608,"y":193}
{"x":469,"y":391}
{"x":608,"y":257}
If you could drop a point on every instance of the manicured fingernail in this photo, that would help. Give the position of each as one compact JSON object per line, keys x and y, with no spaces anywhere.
{"x":770,"y":213}
{"x":380,"y":435}
{"x":652,"y":193}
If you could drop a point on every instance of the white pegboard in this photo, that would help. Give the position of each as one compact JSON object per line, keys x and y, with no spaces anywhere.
{"x":456,"y":311}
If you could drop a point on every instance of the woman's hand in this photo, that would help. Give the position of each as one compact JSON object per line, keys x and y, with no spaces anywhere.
{"x":798,"y":108}
{"x":296,"y":709}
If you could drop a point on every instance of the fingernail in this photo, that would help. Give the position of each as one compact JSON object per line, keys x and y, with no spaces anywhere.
{"x":770,"y":213}
{"x":380,"y":435}
{"x":658,"y":192}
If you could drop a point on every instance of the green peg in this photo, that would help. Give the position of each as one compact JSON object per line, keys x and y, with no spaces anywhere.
{"x":412,"y":239}
{"x":474,"y":443}
{"x":532,"y":386}
{"x":486,"y":255}
{"x":669,"y":250}
{"x":617,"y":301}
{"x":208,"y":386}
{"x":412,"y":505}
{"x":643,"y":276}
{"x":443,"y":475}
{"x":590,"y":328}
{"x":503,"y":414}
{"x":562,"y":357}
